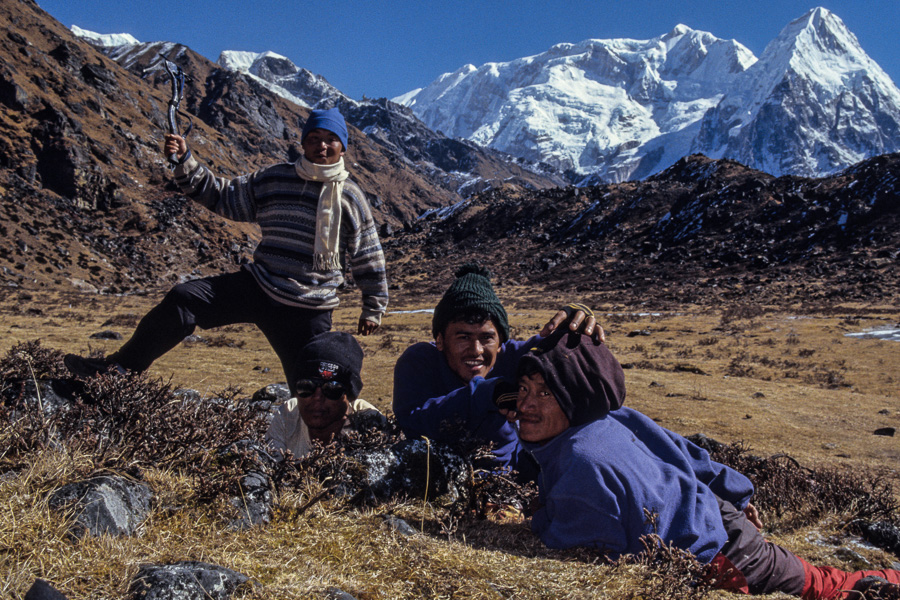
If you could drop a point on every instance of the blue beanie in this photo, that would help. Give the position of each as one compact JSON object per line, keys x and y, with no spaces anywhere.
{"x":330,"y":119}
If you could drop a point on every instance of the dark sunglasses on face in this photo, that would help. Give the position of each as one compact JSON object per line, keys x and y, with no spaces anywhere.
{"x":333,"y":390}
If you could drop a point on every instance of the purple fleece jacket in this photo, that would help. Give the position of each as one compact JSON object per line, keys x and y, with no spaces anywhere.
{"x":596,"y":481}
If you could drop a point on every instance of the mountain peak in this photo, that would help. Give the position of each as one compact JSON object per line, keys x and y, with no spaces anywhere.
{"x":678,"y":31}
{"x":105,"y":40}
{"x":819,"y":33}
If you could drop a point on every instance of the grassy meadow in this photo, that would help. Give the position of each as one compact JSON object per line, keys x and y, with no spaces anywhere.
{"x":777,"y":380}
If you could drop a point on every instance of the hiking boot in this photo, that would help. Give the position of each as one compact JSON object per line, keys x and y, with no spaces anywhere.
{"x":85,"y":366}
{"x":875,"y":588}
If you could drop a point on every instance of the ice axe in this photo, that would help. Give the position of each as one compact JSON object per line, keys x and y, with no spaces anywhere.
{"x":177,"y":78}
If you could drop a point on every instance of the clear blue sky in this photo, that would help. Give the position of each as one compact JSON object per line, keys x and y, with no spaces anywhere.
{"x":384,"y":49}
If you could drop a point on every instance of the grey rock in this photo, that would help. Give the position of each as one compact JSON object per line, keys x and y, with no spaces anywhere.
{"x":884,"y":534}
{"x":707,"y":443}
{"x":106,"y":335}
{"x":41,"y":590}
{"x":254,"y":505}
{"x":275,"y":392}
{"x":104,"y":505}
{"x":399,"y":525}
{"x":414,"y":468}
{"x":334,"y":593}
{"x":187,"y":580}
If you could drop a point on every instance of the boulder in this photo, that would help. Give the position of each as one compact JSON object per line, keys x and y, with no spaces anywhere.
{"x":254,"y":504}
{"x":41,"y":590}
{"x":186,"y":580}
{"x":104,"y":505}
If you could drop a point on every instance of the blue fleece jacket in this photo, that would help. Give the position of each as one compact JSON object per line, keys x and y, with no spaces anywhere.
{"x":431,"y":400}
{"x":596,"y":481}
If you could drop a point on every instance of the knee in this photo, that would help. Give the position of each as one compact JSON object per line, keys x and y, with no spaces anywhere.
{"x":182,"y":294}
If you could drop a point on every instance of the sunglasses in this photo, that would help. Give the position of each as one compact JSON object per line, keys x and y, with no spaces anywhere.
{"x":333,"y":390}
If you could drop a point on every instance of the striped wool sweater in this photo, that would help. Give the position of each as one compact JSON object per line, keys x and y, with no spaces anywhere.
{"x":284,"y":205}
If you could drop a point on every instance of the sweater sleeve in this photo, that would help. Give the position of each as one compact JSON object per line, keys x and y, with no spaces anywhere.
{"x":723,"y":481}
{"x":366,"y":258}
{"x":232,"y":199}
{"x":440,"y":417}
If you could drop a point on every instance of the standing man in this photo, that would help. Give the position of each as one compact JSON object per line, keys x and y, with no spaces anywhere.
{"x":438,"y":385}
{"x":311,"y":215}
{"x":605,"y":468}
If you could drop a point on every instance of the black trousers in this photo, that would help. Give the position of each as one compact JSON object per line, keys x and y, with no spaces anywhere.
{"x":216,"y":301}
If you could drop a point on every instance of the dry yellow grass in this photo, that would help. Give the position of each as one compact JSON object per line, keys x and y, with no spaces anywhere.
{"x":779,"y":382}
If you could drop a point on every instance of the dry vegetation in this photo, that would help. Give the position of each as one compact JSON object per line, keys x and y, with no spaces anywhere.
{"x":772,"y":381}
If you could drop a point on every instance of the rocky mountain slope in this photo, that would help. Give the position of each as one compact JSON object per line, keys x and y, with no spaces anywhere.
{"x":703,"y":231}
{"x":614,"y":110}
{"x":86,"y":195}
{"x":86,"y":198}
{"x":458,"y":166}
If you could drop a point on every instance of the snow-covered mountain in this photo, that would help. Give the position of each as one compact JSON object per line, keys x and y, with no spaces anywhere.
{"x":622,"y":109}
{"x":280,"y":75}
{"x":812,"y":104}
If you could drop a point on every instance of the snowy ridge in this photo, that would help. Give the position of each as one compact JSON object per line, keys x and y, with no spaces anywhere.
{"x":611,"y":110}
{"x":282,"y":77}
{"x":578,"y":106}
{"x":104,"y":40}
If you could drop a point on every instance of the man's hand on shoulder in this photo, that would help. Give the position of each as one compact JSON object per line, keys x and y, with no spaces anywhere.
{"x":579,"y":318}
{"x":366,"y":327}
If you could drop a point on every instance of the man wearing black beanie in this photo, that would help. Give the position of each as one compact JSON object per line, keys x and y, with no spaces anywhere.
{"x":436,"y":383}
{"x":325,"y":382}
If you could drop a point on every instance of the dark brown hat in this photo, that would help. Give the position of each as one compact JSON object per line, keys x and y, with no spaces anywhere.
{"x":584,"y":376}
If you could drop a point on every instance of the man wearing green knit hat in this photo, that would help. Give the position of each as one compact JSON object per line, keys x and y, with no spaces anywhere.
{"x":435,"y":382}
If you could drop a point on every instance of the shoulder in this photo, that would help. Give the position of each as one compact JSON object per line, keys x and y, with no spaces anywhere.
{"x":421,"y":351}
{"x":355,"y":196}
{"x":278,"y":170}
{"x":288,"y":409}
{"x":280,"y":174}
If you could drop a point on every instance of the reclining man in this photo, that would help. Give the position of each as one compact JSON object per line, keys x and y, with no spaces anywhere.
{"x":435,"y":384}
{"x":325,"y":386}
{"x":604,"y":468}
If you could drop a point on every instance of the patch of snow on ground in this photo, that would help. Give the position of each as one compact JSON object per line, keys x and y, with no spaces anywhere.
{"x":883,"y":333}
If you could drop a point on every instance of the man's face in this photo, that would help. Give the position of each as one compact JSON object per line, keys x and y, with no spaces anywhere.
{"x":539,"y":414}
{"x":322,"y":147}
{"x":470,"y":349}
{"x":320,"y":412}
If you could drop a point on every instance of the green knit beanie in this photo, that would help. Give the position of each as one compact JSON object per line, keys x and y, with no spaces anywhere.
{"x":472,"y":291}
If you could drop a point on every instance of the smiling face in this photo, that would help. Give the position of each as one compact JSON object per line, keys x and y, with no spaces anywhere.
{"x":470,"y":348}
{"x":539,"y":414}
{"x":322,"y":147}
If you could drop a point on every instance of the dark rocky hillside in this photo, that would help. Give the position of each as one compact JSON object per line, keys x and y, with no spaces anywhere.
{"x":86,"y":199}
{"x":702,"y":231}
{"x":86,"y":195}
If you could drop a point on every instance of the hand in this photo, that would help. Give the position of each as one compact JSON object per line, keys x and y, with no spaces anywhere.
{"x":753,"y":516}
{"x":366,"y":327}
{"x":580,"y":322}
{"x":174,"y":144}
{"x":505,"y":396}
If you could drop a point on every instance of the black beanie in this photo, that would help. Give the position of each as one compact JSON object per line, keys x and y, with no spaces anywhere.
{"x":333,"y":355}
{"x":472,"y":290}
{"x":584,"y":376}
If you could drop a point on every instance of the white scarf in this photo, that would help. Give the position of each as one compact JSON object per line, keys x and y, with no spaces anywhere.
{"x":326,"y":255}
